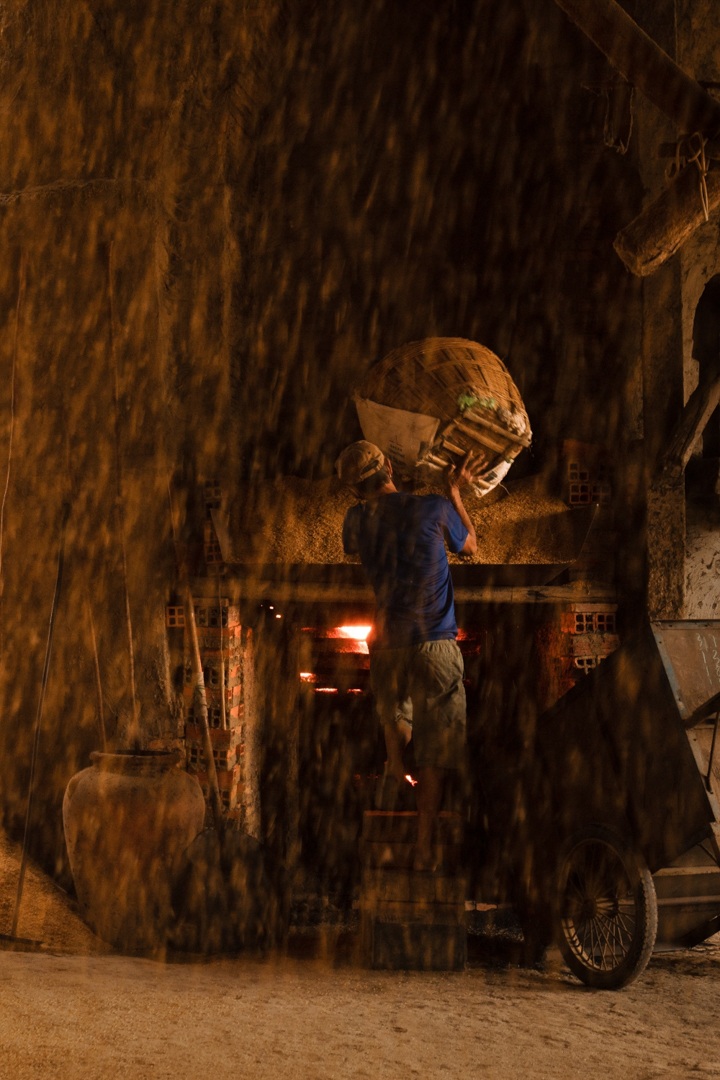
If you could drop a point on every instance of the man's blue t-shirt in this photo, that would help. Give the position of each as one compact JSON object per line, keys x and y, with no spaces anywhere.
{"x":401,"y":539}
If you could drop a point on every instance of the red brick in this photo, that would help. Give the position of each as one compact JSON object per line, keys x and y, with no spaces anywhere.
{"x":222,"y":738}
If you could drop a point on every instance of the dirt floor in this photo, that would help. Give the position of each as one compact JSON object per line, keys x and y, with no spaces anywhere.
{"x":73,"y":1009}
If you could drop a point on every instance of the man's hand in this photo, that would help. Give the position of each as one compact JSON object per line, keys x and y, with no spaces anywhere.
{"x":457,"y":476}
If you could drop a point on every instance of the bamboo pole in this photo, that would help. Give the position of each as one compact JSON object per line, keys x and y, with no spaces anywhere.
{"x":200,"y":708}
{"x":98,"y":679}
{"x":134,"y":733}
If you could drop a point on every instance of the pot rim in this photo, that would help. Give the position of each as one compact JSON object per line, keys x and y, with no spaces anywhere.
{"x":136,"y":761}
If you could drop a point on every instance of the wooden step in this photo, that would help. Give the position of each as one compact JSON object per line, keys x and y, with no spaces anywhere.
{"x":688,"y":882}
{"x":411,"y":920}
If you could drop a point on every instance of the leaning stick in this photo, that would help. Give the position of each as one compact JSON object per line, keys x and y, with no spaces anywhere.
{"x":200,"y":709}
{"x":119,"y":497}
{"x":18,"y":308}
{"x":98,"y":680}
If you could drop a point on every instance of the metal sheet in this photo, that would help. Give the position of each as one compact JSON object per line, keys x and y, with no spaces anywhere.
{"x":690,"y":653}
{"x":616,"y":750}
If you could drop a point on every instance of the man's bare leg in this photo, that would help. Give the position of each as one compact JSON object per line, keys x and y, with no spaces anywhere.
{"x":428,"y":794}
{"x":398,"y":733}
{"x":397,"y":736}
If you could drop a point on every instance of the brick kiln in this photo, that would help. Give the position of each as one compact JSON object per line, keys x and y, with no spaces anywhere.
{"x":535,"y":587}
{"x":282,"y":617}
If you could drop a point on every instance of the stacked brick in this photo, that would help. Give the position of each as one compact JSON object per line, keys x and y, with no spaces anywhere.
{"x":588,"y":635}
{"x":587,"y":474}
{"x":220,"y":639}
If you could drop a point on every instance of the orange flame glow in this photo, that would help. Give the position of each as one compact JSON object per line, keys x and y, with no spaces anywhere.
{"x":356,"y":633}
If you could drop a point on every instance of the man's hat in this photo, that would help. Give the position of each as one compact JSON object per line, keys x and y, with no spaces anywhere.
{"x":358,"y":462}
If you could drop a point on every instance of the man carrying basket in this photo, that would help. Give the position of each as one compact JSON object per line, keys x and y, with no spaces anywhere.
{"x":401,"y":540}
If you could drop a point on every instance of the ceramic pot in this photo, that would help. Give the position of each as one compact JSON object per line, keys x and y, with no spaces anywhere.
{"x":127,"y":820}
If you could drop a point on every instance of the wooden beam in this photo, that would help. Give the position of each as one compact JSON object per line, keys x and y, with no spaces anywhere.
{"x":667,"y":222}
{"x":576,"y":592}
{"x":664,"y":225}
{"x":285,"y":592}
{"x":644,"y":64}
{"x":700,"y":406}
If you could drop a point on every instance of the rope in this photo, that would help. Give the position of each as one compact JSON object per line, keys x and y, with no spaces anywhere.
{"x":692,"y":150}
{"x":700,"y":160}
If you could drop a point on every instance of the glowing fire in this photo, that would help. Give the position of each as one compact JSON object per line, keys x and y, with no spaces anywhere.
{"x":350,"y":632}
{"x":410,"y":779}
{"x":309,"y":677}
{"x":355,"y":633}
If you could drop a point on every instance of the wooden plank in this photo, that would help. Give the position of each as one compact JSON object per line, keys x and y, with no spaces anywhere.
{"x":452,"y":447}
{"x":509,"y":436}
{"x":499,"y":443}
{"x":644,"y":64}
{"x":700,"y":406}
{"x":247,"y":588}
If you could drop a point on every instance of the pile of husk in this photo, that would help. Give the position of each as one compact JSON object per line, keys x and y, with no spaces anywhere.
{"x":300,"y":522}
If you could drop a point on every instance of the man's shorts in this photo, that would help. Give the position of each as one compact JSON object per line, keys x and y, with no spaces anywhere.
{"x":431,"y":676}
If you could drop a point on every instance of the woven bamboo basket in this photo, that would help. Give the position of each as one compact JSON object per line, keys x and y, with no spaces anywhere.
{"x":460,"y":384}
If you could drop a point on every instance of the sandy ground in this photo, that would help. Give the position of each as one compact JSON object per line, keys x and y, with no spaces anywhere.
{"x":72,"y":1009}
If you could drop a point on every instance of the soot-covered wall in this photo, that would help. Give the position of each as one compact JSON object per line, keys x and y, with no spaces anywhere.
{"x":215,"y":217}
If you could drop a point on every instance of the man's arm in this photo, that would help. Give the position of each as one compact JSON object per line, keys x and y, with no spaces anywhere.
{"x":349,"y":534}
{"x":456,"y":477}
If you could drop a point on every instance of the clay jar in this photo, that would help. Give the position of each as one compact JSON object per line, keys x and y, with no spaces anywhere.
{"x":128,"y":819}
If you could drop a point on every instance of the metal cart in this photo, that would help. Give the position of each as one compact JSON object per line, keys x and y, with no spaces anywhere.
{"x":618,"y":799}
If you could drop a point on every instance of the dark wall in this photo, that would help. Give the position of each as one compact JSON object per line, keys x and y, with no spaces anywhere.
{"x":428,"y":170}
{"x":123,"y":129}
{"x":215,"y":218}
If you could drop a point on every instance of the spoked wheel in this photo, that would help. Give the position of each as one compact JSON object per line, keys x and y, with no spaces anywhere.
{"x":607,"y":910}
